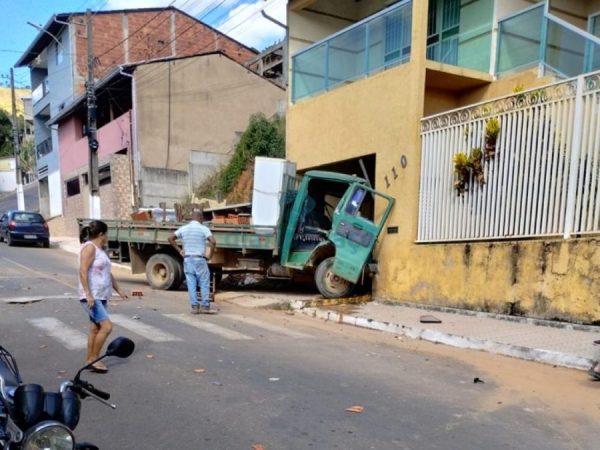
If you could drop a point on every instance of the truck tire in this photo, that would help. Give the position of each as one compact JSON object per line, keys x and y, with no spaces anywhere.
{"x":180,"y":275}
{"x":329,"y":284}
{"x":163,"y":272}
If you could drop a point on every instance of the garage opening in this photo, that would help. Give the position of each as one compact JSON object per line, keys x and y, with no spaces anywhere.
{"x":352,"y":167}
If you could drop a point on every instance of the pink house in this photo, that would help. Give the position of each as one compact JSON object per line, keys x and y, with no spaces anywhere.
{"x":114,"y":135}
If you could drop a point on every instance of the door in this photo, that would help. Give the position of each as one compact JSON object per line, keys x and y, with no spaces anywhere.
{"x":353,"y":232}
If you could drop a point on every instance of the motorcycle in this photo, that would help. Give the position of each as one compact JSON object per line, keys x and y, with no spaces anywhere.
{"x":32,"y":419}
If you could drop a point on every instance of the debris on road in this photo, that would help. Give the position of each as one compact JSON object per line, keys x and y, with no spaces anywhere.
{"x":477,"y":380}
{"x":135,"y":317}
{"x":273,"y":379}
{"x":199,"y":370}
{"x":355,"y":409}
{"x":217,"y":383}
{"x":429,"y":319}
{"x":258,"y":447}
{"x":137,"y":293}
{"x":150,"y":356}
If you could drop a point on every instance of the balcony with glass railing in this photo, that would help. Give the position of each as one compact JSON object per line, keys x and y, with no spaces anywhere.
{"x":376,"y":43}
{"x":536,"y":38}
{"x":40,"y":91}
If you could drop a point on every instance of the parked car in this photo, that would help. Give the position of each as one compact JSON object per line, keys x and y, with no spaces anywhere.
{"x":24,"y":226}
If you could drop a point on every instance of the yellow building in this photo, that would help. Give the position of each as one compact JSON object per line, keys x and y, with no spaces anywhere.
{"x":401,"y":87}
{"x":6,"y":99}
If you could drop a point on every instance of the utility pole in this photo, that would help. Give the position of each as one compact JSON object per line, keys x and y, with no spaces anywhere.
{"x":93,"y":185}
{"x":17,"y":152}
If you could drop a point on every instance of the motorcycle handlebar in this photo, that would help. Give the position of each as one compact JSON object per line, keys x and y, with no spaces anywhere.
{"x":95,"y":391}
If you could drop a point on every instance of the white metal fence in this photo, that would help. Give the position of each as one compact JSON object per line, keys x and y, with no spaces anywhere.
{"x":544,"y":179}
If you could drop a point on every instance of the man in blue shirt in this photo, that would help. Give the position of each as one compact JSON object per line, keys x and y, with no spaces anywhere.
{"x":198,"y":247}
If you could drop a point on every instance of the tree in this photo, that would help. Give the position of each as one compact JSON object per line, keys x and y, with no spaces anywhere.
{"x":263,"y":137}
{"x":27,"y":154}
{"x":6,"y":136}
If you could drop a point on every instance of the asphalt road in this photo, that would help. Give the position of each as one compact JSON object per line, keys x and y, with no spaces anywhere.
{"x":278,"y":380}
{"x":8,"y":200}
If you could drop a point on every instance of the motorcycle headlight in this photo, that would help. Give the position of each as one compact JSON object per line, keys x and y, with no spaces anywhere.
{"x":48,"y":435}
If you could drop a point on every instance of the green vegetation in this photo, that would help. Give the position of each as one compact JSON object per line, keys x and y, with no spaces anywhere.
{"x":6,"y":137}
{"x":263,"y":137}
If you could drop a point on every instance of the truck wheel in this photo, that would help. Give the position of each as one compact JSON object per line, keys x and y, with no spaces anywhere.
{"x":329,"y":284}
{"x":162,"y":271}
{"x":179,"y":275}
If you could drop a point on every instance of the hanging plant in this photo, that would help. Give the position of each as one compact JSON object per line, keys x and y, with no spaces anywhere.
{"x":492,"y":129}
{"x":462,"y":171}
{"x":476,"y":164}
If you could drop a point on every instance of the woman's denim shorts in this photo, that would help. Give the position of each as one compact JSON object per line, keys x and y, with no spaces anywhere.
{"x":98,"y":312}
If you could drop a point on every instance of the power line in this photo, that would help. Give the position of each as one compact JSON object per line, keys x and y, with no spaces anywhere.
{"x":210,"y":44}
{"x":137,"y":30}
{"x":178,"y":35}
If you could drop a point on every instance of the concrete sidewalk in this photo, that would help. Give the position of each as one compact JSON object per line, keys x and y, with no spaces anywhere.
{"x":556,"y":343}
{"x":549,"y":342}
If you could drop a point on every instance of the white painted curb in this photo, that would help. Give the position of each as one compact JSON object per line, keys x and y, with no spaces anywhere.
{"x":516,"y":351}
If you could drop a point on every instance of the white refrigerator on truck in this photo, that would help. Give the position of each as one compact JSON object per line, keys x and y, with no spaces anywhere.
{"x":272,"y":177}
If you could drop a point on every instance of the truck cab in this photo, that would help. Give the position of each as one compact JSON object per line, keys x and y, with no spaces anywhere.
{"x":331,"y":228}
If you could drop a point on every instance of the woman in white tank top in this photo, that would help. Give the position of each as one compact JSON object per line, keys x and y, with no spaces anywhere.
{"x":95,"y":288}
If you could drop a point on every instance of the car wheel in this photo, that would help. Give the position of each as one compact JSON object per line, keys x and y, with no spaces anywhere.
{"x":46,"y":244}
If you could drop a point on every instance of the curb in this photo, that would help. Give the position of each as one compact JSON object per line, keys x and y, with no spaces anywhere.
{"x":515,"y":351}
{"x":498,"y":316}
{"x":63,"y":247}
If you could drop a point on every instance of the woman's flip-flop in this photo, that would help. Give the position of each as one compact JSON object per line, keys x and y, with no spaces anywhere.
{"x":593,"y":373}
{"x":99,"y":369}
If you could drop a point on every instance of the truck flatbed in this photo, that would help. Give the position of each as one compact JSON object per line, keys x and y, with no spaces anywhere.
{"x":230,"y":236}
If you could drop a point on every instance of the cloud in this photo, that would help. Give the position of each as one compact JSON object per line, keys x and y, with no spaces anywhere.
{"x":240,"y":19}
{"x":246,"y":24}
{"x":192,"y":7}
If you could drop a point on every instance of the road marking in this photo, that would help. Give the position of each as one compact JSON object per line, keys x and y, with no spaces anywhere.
{"x":209,"y":327}
{"x":71,"y":338}
{"x":38,"y":298}
{"x":149,"y":332}
{"x":267,"y":326}
{"x":41,"y":274}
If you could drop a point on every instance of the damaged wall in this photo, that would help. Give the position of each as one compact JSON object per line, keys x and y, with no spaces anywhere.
{"x":552,"y":279}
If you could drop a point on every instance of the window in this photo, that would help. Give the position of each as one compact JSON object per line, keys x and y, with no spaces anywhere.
{"x":73,"y":187}
{"x":442,"y":31}
{"x":104,"y":175}
{"x":28,"y":218}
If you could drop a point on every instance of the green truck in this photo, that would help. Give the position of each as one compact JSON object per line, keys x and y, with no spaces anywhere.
{"x":324,"y":224}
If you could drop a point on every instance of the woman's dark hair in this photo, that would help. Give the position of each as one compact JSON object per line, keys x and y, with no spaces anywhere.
{"x":94,"y":229}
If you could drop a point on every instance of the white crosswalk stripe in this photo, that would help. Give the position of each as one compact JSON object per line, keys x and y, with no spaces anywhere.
{"x":149,"y":332}
{"x":266,"y":326}
{"x":209,"y":327}
{"x":74,"y":339}
{"x":71,"y":338}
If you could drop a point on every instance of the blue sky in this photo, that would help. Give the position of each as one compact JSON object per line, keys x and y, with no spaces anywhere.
{"x":241,"y":19}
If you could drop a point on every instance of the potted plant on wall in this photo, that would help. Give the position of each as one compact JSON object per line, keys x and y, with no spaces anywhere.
{"x":461,"y":169}
{"x":492,"y":129}
{"x":476,"y":164}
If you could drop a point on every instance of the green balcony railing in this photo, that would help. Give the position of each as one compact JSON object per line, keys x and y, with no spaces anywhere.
{"x":373,"y":44}
{"x":535,"y":37}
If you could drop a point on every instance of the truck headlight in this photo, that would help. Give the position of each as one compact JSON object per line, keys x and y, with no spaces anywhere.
{"x":49,"y":435}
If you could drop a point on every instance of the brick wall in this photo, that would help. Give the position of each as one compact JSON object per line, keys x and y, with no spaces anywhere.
{"x":135,"y":36}
{"x":115,"y":197}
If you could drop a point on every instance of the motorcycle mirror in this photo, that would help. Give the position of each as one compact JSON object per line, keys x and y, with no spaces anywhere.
{"x":121,"y":347}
